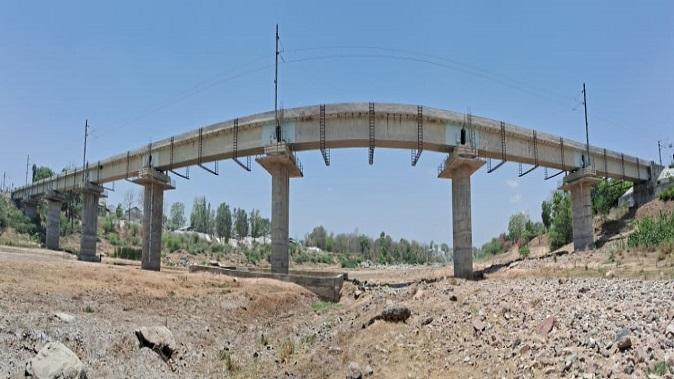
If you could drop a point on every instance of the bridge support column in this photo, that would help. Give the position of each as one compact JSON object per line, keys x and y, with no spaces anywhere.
{"x":91,"y":193}
{"x":458,"y":167}
{"x":54,"y":203}
{"x":579,"y":184}
{"x":281,"y":163}
{"x":155,"y":183}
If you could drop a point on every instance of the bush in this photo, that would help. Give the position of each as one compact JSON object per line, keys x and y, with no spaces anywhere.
{"x":108,"y":225}
{"x":667,"y":195}
{"x":606,"y":193}
{"x":347,"y":261}
{"x":127,"y":252}
{"x":524,"y":251}
{"x":11,"y":216}
{"x":651,"y":232}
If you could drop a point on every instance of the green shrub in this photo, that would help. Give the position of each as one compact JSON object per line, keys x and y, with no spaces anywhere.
{"x":11,"y":216}
{"x":347,"y":261}
{"x":561,"y":231}
{"x":524,"y":251}
{"x":667,"y":195}
{"x":108,"y":225}
{"x":652,"y":232}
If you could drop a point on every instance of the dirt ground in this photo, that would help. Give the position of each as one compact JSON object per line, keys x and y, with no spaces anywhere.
{"x":252,"y":328}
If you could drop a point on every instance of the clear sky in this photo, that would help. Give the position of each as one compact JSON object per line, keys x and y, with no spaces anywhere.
{"x":142,"y":71}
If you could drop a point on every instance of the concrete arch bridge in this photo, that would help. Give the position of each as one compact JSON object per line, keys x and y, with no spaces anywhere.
{"x":469,"y":141}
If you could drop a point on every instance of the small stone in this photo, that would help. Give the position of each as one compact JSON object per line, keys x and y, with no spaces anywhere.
{"x":368,"y":370}
{"x":629,"y":369}
{"x":357,"y":294}
{"x":393,"y":313}
{"x":64,"y":317}
{"x":353,"y":371}
{"x":622,"y":340}
{"x":478,"y":325}
{"x":546,"y":326}
{"x":452,"y":298}
{"x":55,"y":360}
{"x":427,"y":321}
{"x":610,"y":275}
{"x":670,"y":330}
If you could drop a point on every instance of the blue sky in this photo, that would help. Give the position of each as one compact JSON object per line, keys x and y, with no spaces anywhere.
{"x":141,"y":71}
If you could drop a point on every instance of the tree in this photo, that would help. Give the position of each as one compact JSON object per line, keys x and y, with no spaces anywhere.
{"x":255,"y":223}
{"x":119,"y":211}
{"x":223,"y":222}
{"x":546,"y":208}
{"x":241,"y":223}
{"x":606,"y":193}
{"x":517,"y":226}
{"x":200,"y":217}
{"x":265,"y":227}
{"x":561,"y":231}
{"x":177,"y":216}
{"x":130,"y":200}
{"x":318,"y":238}
{"x":41,"y":172}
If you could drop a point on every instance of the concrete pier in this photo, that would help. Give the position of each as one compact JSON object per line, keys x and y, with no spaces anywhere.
{"x":54,"y":202}
{"x":155,"y":183}
{"x":91,"y":193}
{"x":280,"y":162}
{"x":580,"y":184}
{"x":458,"y":167}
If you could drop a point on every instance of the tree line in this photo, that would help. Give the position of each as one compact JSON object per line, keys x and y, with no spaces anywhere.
{"x":224,"y":222}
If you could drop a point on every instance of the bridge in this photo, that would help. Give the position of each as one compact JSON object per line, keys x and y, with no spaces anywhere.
{"x":273,"y":138}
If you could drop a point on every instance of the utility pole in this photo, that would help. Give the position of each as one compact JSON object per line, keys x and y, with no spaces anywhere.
{"x":278,"y":124}
{"x":86,"y":134}
{"x":660,"y":151}
{"x":587,"y":132}
{"x":27,"y":160}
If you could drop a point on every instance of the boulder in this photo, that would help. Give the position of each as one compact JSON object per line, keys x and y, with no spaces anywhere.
{"x":55,"y":360}
{"x":157,"y":338}
{"x":392,"y":313}
{"x":64,"y":317}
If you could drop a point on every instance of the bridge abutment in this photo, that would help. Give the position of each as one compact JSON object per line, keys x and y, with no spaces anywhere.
{"x":91,"y":193}
{"x":579,"y":184}
{"x":281,"y":163}
{"x":459,"y":167}
{"x":154,"y":183}
{"x":30,"y":209}
{"x":54,"y":202}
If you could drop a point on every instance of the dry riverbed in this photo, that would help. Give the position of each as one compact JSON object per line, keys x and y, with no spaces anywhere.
{"x":573,"y":322}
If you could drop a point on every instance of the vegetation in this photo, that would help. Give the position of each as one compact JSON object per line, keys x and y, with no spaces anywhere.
{"x":667,"y":195}
{"x":560,"y":232}
{"x":11,"y":216}
{"x":127,"y":252}
{"x":652,"y":233}
{"x":606,"y":193}
{"x":177,"y":216}
{"x":524,"y":251}
{"x":321,"y":306}
{"x":223,"y":222}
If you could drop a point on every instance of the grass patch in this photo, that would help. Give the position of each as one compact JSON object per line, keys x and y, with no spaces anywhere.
{"x":286,"y":350}
{"x":322,"y":306}
{"x":89,"y":309}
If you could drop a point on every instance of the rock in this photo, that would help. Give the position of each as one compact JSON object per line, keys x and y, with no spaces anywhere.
{"x":427,"y":321}
{"x":610,"y":275}
{"x":393,"y":313}
{"x":419,"y":295}
{"x":622,"y":340}
{"x":452,"y":298}
{"x":583,"y":289}
{"x":357,"y":294}
{"x":670,"y":360}
{"x":55,"y":360}
{"x":64,"y":317}
{"x":478,"y":325}
{"x":368,"y":370}
{"x":353,"y":371}
{"x":670,"y":330}
{"x":214,"y":263}
{"x":157,"y":338}
{"x":546,"y":326}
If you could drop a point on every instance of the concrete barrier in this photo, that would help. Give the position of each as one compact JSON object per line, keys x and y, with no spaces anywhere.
{"x":327,"y":285}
